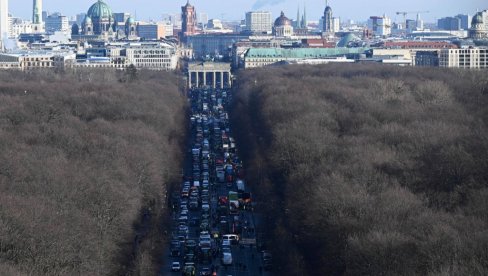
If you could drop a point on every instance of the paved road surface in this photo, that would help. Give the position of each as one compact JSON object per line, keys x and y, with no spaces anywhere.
{"x":210,"y":125}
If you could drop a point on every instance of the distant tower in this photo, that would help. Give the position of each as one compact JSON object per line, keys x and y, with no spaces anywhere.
{"x":328,"y":21}
{"x":298,"y":26}
{"x":189,"y":18}
{"x":37,"y":25}
{"x":3,"y":22}
{"x":304,"y":17}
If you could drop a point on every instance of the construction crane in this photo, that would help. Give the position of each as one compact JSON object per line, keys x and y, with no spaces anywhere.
{"x":409,"y":12}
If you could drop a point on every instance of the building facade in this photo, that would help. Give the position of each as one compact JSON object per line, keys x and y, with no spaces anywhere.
{"x":283,"y":26}
{"x":259,"y":22}
{"x":380,"y":25}
{"x":99,"y":20}
{"x":213,"y":44}
{"x":121,"y":17}
{"x":189,"y":20}
{"x":56,"y":23}
{"x":470,"y":58}
{"x":449,"y":23}
{"x":157,"y":56}
{"x":4,"y":21}
{"x":260,"y":57}
{"x":152,"y":31}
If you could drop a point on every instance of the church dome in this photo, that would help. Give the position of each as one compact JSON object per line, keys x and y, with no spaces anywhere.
{"x":282,"y":21}
{"x":477,"y":19}
{"x":87,"y":20}
{"x":100,"y":10}
{"x":130,"y":21}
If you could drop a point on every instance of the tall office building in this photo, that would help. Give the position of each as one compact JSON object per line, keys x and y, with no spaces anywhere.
{"x":121,"y":17}
{"x":449,"y":23}
{"x":4,"y":26}
{"x":202,"y":18}
{"x":380,"y":25}
{"x":37,"y":24}
{"x":465,"y":21}
{"x":57,"y":22}
{"x":259,"y":22}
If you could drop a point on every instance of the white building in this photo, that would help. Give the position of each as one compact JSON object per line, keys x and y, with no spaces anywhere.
{"x":336,"y":24}
{"x":380,"y":25}
{"x":18,"y":27}
{"x":471,"y":58}
{"x":159,"y":56}
{"x":4,"y":26}
{"x":57,"y":23}
{"x":215,"y":24}
{"x":259,"y":22}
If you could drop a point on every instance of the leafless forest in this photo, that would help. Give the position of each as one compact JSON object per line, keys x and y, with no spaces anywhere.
{"x":84,"y":160}
{"x":369,"y":170}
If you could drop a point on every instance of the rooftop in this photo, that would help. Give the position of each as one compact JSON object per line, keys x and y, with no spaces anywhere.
{"x":302,"y":52}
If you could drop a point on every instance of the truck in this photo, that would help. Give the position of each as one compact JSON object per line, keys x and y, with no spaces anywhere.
{"x":233,"y":200}
{"x":240,"y":185}
{"x":220,"y":174}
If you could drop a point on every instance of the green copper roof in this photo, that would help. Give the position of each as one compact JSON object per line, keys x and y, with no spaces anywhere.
{"x":346,"y":39}
{"x":302,"y":53}
{"x":100,"y":10}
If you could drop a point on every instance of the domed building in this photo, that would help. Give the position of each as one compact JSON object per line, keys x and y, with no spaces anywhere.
{"x":479,"y":26}
{"x":101,"y":17}
{"x":87,"y":26}
{"x":131,"y":28}
{"x":283,"y":26}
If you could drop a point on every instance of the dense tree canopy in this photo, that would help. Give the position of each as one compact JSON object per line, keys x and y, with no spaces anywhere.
{"x":369,"y":170}
{"x":81,"y":155}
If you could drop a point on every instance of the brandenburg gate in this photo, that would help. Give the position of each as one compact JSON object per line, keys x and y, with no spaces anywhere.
{"x":214,"y":74}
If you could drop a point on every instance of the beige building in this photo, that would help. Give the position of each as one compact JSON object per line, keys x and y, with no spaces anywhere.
{"x":472,"y":58}
{"x":36,"y":60}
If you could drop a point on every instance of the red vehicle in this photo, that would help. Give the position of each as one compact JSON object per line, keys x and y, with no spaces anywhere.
{"x":223,"y":200}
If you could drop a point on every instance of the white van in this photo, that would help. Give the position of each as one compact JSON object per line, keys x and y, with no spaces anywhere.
{"x":232,"y":238}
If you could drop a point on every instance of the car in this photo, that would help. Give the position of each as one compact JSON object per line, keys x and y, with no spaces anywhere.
{"x":227,"y":258}
{"x":267,"y":260}
{"x":183,"y":229}
{"x":205,"y":271}
{"x":189,"y":270}
{"x":190,"y":257}
{"x":205,"y":207}
{"x":204,"y":225}
{"x":205,"y":241}
{"x":232,"y":238}
{"x":175,"y":266}
{"x":184,"y":212}
{"x":225,"y":243}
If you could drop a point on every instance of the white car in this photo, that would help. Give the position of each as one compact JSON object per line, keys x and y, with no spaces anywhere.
{"x":175,"y":266}
{"x":227,"y":258}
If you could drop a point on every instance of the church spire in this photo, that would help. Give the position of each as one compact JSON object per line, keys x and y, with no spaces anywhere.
{"x":298,"y":16}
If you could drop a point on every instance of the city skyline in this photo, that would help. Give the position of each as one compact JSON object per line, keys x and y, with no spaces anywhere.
{"x":152,"y":9}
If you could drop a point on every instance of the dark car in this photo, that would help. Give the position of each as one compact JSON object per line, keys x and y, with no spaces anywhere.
{"x":205,"y":271}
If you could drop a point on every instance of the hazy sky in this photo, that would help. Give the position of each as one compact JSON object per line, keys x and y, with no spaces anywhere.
{"x":235,"y":9}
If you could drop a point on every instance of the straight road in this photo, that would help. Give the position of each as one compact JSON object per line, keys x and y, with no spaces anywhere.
{"x":210,"y":205}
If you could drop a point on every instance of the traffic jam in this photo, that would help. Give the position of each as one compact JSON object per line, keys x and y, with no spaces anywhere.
{"x":214,"y":221}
